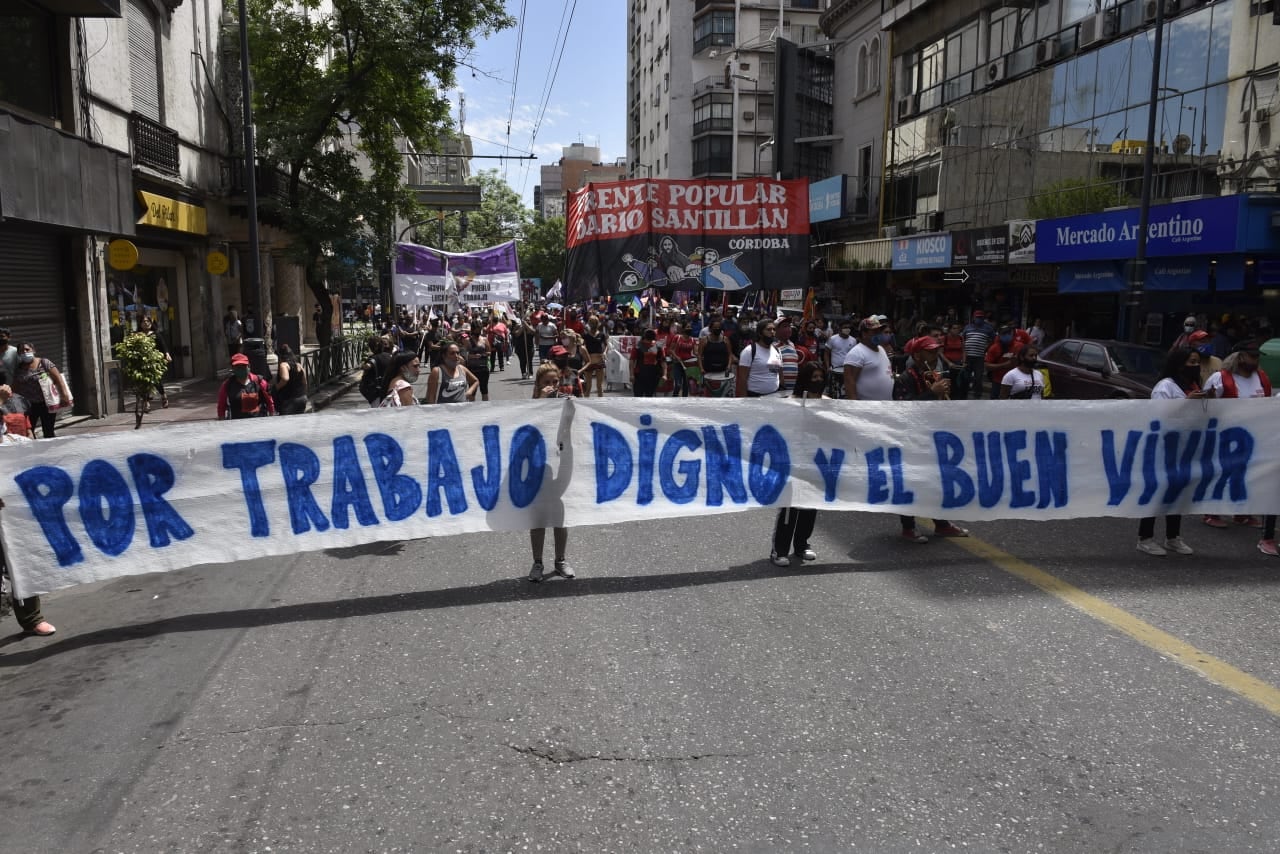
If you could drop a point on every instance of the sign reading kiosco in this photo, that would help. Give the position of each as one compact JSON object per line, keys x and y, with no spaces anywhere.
{"x":1199,"y":227}
{"x":922,"y":252}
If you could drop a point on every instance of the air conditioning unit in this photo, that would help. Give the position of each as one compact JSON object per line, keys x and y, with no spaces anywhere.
{"x":906,"y":107}
{"x":1099,"y":27}
{"x":748,"y":116}
{"x":1046,"y":51}
{"x":994,"y":72}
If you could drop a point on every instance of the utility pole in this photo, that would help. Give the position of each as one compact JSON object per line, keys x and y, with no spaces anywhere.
{"x":1138,"y":268}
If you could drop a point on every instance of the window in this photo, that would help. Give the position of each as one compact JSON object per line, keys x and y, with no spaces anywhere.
{"x":873,"y":66}
{"x":144,"y":68}
{"x":1261,"y":7}
{"x":1093,"y":358}
{"x":962,"y":51}
{"x":713,"y":112}
{"x":860,"y":88}
{"x":28,"y":76}
{"x":713,"y":30}
{"x":712,"y":154}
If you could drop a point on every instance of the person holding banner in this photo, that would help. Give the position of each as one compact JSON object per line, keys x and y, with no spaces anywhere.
{"x":452,"y":382}
{"x":1241,"y":377}
{"x":596,"y":340}
{"x":794,"y":525}
{"x":760,"y":364}
{"x":402,"y":373}
{"x":547,"y":384}
{"x":1180,"y":380}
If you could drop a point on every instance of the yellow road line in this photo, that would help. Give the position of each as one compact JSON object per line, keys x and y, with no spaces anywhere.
{"x":1214,"y":669}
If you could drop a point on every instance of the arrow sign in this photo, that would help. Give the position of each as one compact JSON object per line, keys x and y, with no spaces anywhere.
{"x":961,"y":275}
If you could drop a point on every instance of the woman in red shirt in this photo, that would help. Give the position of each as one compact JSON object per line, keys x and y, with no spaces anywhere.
{"x":680,"y":348}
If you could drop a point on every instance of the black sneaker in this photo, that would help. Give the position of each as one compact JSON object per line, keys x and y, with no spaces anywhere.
{"x":535,"y":574}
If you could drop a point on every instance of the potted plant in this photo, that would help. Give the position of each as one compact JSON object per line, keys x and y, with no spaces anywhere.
{"x":143,"y":366}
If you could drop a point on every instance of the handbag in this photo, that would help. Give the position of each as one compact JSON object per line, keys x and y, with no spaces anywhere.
{"x":49,"y":389}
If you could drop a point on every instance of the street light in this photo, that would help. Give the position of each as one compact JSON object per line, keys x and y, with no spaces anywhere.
{"x":250,"y":178}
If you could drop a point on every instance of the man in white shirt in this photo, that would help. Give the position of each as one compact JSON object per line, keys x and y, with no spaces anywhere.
{"x":838,"y":346}
{"x":868,"y":374}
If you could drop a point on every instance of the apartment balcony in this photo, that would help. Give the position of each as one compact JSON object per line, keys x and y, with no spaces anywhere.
{"x":153,"y":145}
{"x":710,"y":84}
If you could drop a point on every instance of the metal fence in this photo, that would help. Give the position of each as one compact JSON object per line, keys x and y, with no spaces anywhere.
{"x":341,"y":357}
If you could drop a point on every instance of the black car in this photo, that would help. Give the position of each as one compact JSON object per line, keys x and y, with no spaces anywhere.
{"x":1091,"y":369}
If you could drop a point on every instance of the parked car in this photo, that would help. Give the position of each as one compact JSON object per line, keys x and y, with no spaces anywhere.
{"x":1090,"y":369}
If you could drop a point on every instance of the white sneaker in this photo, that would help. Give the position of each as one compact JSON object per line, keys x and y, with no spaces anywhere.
{"x":1179,"y":546}
{"x":807,"y":554}
{"x":1151,"y":547}
{"x":564,"y":570}
{"x":779,"y":560}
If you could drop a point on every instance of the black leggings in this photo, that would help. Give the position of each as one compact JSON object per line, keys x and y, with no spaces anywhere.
{"x":482,"y":374}
{"x":1172,"y":527}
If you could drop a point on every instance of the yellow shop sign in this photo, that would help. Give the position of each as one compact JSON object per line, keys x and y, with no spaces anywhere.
{"x":163,"y":212}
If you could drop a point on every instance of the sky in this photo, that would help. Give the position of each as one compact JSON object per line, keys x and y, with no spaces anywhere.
{"x":587,"y":102}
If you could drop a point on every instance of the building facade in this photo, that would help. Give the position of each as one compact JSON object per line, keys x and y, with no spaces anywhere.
{"x":579,"y":165}
{"x":702,"y":82}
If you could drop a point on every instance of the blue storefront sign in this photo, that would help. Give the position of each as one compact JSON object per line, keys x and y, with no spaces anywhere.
{"x":1200,"y":227}
{"x":922,"y":252}
{"x":826,"y":199}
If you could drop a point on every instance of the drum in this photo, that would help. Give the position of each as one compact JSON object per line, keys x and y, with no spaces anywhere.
{"x":719,"y":385}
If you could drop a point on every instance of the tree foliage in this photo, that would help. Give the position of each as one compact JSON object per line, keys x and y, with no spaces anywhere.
{"x":1075,"y":196}
{"x":339,"y":88}
{"x":542,"y":253}
{"x":143,"y":366}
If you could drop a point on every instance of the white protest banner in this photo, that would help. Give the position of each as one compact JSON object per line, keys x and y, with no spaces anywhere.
{"x":95,"y":507}
{"x":427,"y":276}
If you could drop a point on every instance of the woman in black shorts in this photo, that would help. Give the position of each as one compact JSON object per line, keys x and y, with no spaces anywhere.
{"x":595,"y":338}
{"x":478,"y":358}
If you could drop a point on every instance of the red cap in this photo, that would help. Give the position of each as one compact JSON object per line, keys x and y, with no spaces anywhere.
{"x":239,"y":359}
{"x":924,"y":342}
{"x":557,"y":350}
{"x":1198,"y":336}
{"x":979,"y":313}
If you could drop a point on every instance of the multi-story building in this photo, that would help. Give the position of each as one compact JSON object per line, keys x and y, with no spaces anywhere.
{"x":117,"y":130}
{"x":702,"y":81}
{"x":1002,"y":112}
{"x":579,"y":165}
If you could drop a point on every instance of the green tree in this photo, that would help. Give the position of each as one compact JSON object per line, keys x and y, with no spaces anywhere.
{"x":542,"y":252}
{"x":1074,"y":196}
{"x":143,"y":367}
{"x":337,"y":93}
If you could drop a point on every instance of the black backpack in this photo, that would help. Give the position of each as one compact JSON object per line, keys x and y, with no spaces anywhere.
{"x":371,"y":380}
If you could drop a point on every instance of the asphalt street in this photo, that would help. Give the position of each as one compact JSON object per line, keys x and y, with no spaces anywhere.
{"x":1041,"y":687}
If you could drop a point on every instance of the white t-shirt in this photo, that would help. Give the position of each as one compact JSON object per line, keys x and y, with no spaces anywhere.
{"x":1250,"y":386}
{"x":766,"y":368}
{"x":875,"y":382}
{"x":840,"y":347}
{"x":1168,"y":389}
{"x":1018,"y":383}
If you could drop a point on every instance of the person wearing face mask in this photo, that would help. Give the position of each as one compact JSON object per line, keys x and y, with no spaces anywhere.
{"x":680,"y":347}
{"x":569,"y":382}
{"x":715,"y":360}
{"x":760,"y":364}
{"x":868,"y":374}
{"x":1209,"y":363}
{"x":838,"y":346}
{"x":1026,"y":380}
{"x":29,"y":380}
{"x":1240,"y":378}
{"x":244,"y":394}
{"x":1180,"y":380}
{"x":452,"y":381}
{"x":978,"y":335}
{"x":1189,"y":328}
{"x":794,"y":525}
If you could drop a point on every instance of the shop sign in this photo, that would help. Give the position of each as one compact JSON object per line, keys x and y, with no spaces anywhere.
{"x":979,"y":246}
{"x":1199,"y":227}
{"x":1194,"y":274}
{"x":1033,"y":276}
{"x":1095,"y":277}
{"x":1022,"y":241}
{"x":122,"y":255}
{"x":163,"y":212}
{"x":792,"y":294}
{"x":826,"y":199}
{"x":922,"y":252}
{"x":217,"y":263}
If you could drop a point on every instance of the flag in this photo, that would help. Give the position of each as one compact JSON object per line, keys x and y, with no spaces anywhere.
{"x":810,"y":310}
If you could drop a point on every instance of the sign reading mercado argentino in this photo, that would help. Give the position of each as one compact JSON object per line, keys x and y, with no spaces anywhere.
{"x":96,"y":507}
{"x":713,"y":234}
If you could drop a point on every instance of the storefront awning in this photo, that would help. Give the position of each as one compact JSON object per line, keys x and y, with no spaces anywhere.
{"x":82,"y":8}
{"x":54,"y":178}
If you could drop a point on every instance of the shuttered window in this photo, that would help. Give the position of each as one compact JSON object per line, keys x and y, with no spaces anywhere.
{"x":33,"y":302}
{"x":144,"y":70}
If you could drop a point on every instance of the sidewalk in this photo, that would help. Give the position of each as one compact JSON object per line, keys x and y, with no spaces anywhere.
{"x":191,"y":400}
